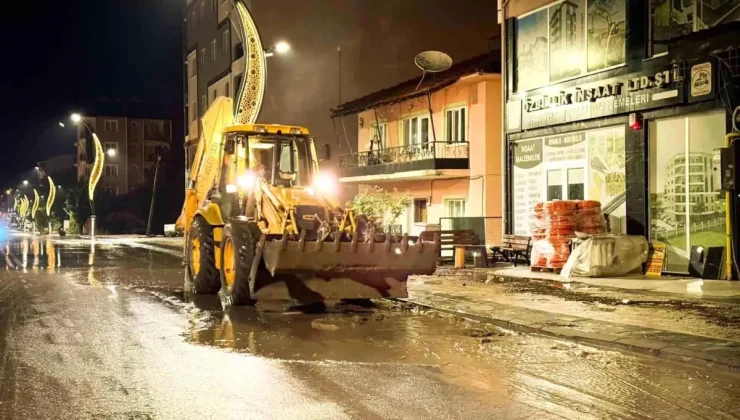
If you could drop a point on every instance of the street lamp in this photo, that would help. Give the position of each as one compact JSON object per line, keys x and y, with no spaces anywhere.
{"x":25,"y":182}
{"x":111,"y":152}
{"x":76,"y":118}
{"x":281,"y":47}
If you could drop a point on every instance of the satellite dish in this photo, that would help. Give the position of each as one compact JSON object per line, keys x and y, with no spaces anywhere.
{"x":433,"y":61}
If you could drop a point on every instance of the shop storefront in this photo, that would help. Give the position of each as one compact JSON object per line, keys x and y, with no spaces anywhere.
{"x":643,"y":137}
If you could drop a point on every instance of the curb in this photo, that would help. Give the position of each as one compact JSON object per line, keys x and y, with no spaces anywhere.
{"x":646,"y":347}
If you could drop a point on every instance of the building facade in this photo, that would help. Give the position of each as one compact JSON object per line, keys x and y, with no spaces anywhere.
{"x":214,"y":61}
{"x":440,"y":143}
{"x":627,"y":103}
{"x":130,"y":146}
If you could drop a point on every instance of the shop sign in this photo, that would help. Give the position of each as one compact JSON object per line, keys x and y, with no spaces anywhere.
{"x":701,"y":83}
{"x":613,"y":96}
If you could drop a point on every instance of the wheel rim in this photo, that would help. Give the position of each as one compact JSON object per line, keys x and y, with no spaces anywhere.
{"x":229,"y":265}
{"x":195,"y":255}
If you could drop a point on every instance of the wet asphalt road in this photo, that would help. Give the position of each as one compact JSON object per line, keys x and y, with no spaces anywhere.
{"x":104,"y":332}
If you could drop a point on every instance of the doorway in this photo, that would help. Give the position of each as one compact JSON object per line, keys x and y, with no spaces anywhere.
{"x":687,"y":207}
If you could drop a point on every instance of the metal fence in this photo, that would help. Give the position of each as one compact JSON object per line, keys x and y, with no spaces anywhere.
{"x":409,"y":153}
{"x":662,"y":233}
{"x":489,"y":229}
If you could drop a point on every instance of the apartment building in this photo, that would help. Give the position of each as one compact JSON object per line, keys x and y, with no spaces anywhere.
{"x":130,"y":146}
{"x":214,"y":60}
{"x":439,"y":141}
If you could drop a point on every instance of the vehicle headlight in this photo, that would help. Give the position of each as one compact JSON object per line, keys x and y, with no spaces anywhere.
{"x":325,"y":184}
{"x":247,"y":180}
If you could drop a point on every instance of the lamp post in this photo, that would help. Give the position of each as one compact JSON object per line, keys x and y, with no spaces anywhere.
{"x":96,"y":171}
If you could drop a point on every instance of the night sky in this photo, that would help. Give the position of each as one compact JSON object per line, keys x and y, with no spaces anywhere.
{"x":61,"y":56}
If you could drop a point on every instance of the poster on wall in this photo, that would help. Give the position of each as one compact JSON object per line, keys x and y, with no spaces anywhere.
{"x":527,"y":182}
{"x":606,"y":169}
{"x":583,"y":165}
{"x":606,"y":33}
{"x":532,"y":50}
{"x":567,"y":39}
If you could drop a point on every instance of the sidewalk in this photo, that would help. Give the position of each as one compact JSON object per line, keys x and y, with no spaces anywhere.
{"x":670,"y":321}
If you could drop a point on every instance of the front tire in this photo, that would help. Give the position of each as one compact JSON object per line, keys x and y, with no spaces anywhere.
{"x":238,"y":245}
{"x":201,"y":262}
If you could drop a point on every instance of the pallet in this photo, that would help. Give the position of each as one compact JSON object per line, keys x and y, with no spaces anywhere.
{"x":546,"y":269}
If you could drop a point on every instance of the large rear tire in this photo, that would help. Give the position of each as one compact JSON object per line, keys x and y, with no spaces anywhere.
{"x":200,"y":258}
{"x":238,"y":245}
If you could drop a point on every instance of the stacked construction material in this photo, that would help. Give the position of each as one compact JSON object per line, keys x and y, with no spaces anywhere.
{"x":554,"y":226}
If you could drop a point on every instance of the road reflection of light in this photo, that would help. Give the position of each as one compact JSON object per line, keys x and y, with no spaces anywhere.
{"x":91,"y":257}
{"x":695,"y":287}
{"x":91,"y":278}
{"x":35,"y":249}
{"x":51,"y":256}
{"x":24,"y":251}
{"x":113,"y":291}
{"x":224,"y":334}
{"x":8,"y":262}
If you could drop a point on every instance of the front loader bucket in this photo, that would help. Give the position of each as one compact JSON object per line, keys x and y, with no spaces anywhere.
{"x":310,"y":271}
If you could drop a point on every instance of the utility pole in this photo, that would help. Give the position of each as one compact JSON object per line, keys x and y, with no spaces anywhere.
{"x":154,"y":196}
{"x":339,"y":56}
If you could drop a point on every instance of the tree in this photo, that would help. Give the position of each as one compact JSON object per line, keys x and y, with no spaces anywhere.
{"x":380,"y":205}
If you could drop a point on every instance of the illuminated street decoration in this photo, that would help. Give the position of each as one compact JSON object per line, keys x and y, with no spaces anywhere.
{"x":52,"y":196}
{"x":97,"y":169}
{"x":249,"y":103}
{"x":35,"y":204}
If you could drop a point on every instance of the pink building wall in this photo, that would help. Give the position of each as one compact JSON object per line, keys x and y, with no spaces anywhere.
{"x":481,"y":185}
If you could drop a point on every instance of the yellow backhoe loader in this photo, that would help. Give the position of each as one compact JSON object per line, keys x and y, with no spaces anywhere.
{"x":262,"y":222}
{"x":271,"y":228}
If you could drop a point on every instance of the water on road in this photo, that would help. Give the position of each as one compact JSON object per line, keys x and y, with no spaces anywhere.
{"x":103,"y":331}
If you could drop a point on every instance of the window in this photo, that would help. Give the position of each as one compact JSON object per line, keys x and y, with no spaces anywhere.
{"x":670,"y":19}
{"x":415,"y":130}
{"x":213,"y":5}
{"x":110,"y":125}
{"x":203,"y":103}
{"x":379,"y":130}
{"x":227,"y":93}
{"x":575,"y":184}
{"x":202,"y":62}
{"x":192,"y":19}
{"x":110,"y":170}
{"x":555,"y":184}
{"x":455,"y":207}
{"x":202,"y":10}
{"x":225,"y":42}
{"x":456,"y":125}
{"x":214,"y":50}
{"x":420,"y":210}
{"x":237,"y":84}
{"x":111,"y":146}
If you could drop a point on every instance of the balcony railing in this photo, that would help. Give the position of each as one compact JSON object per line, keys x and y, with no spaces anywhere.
{"x":404,"y":154}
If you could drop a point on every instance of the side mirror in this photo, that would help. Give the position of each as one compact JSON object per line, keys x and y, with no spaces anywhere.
{"x":327,"y":151}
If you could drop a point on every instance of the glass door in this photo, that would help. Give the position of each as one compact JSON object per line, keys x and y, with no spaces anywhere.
{"x":565,"y":183}
{"x":686,"y":205}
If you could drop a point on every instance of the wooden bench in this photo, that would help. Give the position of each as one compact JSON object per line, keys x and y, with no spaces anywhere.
{"x":451,"y":239}
{"x":514,"y":248}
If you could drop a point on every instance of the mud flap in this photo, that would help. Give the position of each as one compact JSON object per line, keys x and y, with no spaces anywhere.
{"x":307,"y":271}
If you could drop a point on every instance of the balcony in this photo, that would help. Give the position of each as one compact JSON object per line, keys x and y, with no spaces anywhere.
{"x":418,"y":161}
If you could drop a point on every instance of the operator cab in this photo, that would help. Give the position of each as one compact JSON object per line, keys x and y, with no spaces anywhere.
{"x":280,"y":156}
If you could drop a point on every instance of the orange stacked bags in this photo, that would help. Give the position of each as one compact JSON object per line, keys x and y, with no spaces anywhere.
{"x":555,"y":224}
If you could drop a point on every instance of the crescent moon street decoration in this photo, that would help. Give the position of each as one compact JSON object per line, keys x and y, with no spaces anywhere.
{"x":35,"y":204}
{"x":97,"y":169}
{"x":15,"y":204}
{"x":52,"y":196}
{"x":249,"y":103}
{"x":24,"y":206}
